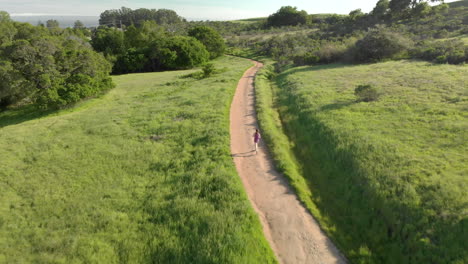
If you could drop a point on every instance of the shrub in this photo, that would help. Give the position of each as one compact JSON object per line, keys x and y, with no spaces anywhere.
{"x":331,"y":52}
{"x":189,"y":52}
{"x":380,"y":43}
{"x":287,"y":16}
{"x":366,"y":93}
{"x":208,"y":69}
{"x":449,"y":51}
{"x":212,"y":40}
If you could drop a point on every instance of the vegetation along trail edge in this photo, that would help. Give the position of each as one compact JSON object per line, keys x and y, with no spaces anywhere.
{"x":294,"y":235}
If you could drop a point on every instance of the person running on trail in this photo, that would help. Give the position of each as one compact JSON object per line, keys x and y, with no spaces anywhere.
{"x":256,"y":139}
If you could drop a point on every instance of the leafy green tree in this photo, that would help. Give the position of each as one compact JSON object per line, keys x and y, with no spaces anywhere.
{"x":110,"y":18}
{"x":78,"y":25}
{"x":381,"y":9}
{"x":422,"y":9}
{"x":52,"y":23}
{"x":381,"y":43}
{"x":401,"y":8}
{"x":287,"y":16}
{"x":51,"y":68}
{"x":7,"y":29}
{"x":127,"y":17}
{"x":212,"y":40}
{"x":189,"y":52}
{"x":108,"y":40}
{"x":167,"y":16}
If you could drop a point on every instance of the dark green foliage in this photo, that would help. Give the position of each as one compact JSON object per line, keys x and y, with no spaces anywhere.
{"x":380,"y":43}
{"x":125,"y":17}
{"x":188,"y":51}
{"x":212,"y":40}
{"x":36,"y":65}
{"x":287,"y":16}
{"x":208,"y":69}
{"x":7,"y":29}
{"x":422,"y":9}
{"x":109,"y":41}
{"x":52,"y":23}
{"x":449,"y":51}
{"x":150,"y":47}
{"x":380,"y":11}
{"x":366,"y":93}
{"x":78,"y":25}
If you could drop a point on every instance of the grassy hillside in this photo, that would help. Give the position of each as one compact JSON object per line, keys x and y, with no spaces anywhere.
{"x":388,"y":177}
{"x":142,"y":175}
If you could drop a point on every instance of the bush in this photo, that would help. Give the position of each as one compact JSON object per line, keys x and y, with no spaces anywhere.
{"x":208,"y":69}
{"x":331,"y":52}
{"x":449,"y":51}
{"x":366,"y":93}
{"x":189,"y":52}
{"x":287,"y":16}
{"x":212,"y":40}
{"x":380,"y":43}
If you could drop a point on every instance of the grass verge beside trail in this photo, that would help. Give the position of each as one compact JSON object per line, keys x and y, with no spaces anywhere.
{"x":142,"y":175}
{"x":388,"y":176}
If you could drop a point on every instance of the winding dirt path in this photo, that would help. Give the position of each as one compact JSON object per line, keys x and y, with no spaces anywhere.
{"x":293,"y":234}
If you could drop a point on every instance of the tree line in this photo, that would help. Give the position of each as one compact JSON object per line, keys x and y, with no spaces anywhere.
{"x":48,"y":66}
{"x":54,"y":67}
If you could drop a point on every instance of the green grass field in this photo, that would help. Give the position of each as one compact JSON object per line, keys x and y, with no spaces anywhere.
{"x":141,"y":175}
{"x":386,"y":179}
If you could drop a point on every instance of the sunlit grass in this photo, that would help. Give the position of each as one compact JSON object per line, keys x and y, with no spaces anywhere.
{"x":387,"y":177}
{"x":141,"y":175}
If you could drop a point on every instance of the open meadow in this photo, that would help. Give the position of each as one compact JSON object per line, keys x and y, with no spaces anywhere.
{"x":387,"y":178}
{"x":141,"y":175}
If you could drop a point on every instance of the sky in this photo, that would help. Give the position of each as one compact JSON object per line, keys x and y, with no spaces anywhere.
{"x":190,"y":9}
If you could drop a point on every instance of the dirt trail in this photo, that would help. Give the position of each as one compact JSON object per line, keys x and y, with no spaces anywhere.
{"x":291,"y":231}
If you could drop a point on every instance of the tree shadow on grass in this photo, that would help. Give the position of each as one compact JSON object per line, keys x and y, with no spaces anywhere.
{"x":22,"y":114}
{"x":337,"y":105}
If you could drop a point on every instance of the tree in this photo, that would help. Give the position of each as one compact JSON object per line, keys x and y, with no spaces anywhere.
{"x":167,"y":16}
{"x":127,"y":17}
{"x":78,"y":25}
{"x":287,"y":16}
{"x":380,"y":11}
{"x":51,"y":68}
{"x":189,"y":52}
{"x":401,"y":8}
{"x":380,"y":43}
{"x":110,"y":18}
{"x":52,"y":23}
{"x":212,"y":40}
{"x":110,"y":41}
{"x":7,"y":29}
{"x":422,"y":9}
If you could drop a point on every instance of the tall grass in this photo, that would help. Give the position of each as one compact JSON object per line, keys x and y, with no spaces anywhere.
{"x":386,"y":176}
{"x":142,"y":175}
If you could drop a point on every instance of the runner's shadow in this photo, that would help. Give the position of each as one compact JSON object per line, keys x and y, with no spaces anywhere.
{"x":244,"y":154}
